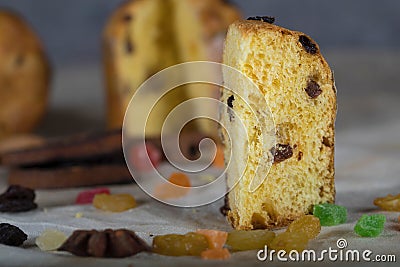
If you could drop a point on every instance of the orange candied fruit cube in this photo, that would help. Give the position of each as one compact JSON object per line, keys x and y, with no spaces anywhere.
{"x":168,"y":191}
{"x":216,"y":239}
{"x":179,"y":178}
{"x":219,"y":161}
{"x":216,"y":254}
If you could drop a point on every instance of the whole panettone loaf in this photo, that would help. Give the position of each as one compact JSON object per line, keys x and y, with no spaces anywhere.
{"x":24,"y":76}
{"x":298,"y":86}
{"x":143,"y":37}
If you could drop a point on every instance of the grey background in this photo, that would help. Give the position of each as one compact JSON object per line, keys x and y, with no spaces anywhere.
{"x":359,"y":38}
{"x":71,"y":29}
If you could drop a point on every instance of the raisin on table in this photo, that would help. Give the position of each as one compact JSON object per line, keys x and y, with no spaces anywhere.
{"x":11,"y":235}
{"x":17,"y":199}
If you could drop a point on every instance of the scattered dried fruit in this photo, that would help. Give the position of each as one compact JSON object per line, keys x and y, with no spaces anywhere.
{"x":216,"y":239}
{"x":389,"y":203}
{"x":190,"y":244}
{"x":86,"y":197}
{"x":313,"y":89}
{"x":297,"y":235}
{"x":249,"y":240}
{"x":330,"y":214}
{"x":50,"y":239}
{"x":308,"y":45}
{"x":215,"y":254}
{"x":168,"y":191}
{"x":114,"y":203}
{"x":267,"y":19}
{"x":289,"y":241}
{"x":308,"y":225}
{"x":370,"y":225}
{"x":11,"y":235}
{"x":107,"y":244}
{"x":281,"y":152}
{"x":17,"y":199}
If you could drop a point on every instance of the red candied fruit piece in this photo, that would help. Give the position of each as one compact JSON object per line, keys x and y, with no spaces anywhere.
{"x":86,"y":197}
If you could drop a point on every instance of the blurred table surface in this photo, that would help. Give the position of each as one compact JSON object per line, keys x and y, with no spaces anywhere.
{"x":367,"y":166}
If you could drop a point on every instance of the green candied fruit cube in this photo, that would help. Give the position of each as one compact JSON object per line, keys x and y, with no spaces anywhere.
{"x":330,"y":214}
{"x":370,"y":225}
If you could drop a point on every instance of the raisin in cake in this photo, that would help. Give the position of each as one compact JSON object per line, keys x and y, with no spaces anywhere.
{"x":298,"y":86}
{"x":143,"y":37}
{"x":24,"y":76}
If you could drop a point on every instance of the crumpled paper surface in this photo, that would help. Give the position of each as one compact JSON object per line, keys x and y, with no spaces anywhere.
{"x":367,"y":166}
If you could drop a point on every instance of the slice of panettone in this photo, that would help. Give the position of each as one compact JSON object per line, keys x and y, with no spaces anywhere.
{"x":297,"y":84}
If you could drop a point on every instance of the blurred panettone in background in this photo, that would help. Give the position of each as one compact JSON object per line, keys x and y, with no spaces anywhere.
{"x":24,"y":76}
{"x":143,"y":37}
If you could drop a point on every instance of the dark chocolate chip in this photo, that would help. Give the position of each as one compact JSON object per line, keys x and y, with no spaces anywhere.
{"x":281,"y":152}
{"x":17,"y":199}
{"x":18,"y":192}
{"x":313,"y":89}
{"x":230,"y":104}
{"x":11,"y":235}
{"x":17,"y":205}
{"x":128,"y":46}
{"x":299,"y":156}
{"x":308,"y":45}
{"x":326,"y":141}
{"x":267,"y":19}
{"x":127,"y":17}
